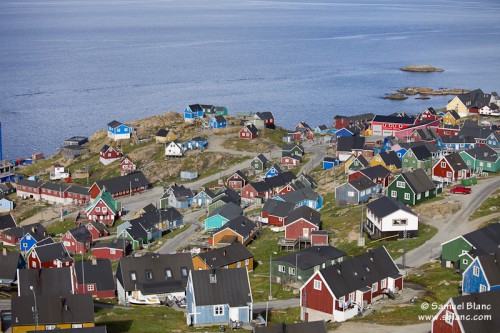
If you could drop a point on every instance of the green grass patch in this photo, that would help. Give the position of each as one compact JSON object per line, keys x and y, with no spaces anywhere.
{"x":288,"y":315}
{"x":32,"y":211}
{"x":59,"y":228}
{"x":488,"y":207}
{"x":439,"y":284}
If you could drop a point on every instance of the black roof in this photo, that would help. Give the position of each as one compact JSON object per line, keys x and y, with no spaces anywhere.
{"x":81,"y":234}
{"x":384,"y":206}
{"x":456,"y":161}
{"x":219,"y":118}
{"x":394,"y":119}
{"x":226,"y":255}
{"x":454,"y":114}
{"x":98,"y":272}
{"x":29,"y":183}
{"x":229,"y":211}
{"x":45,"y":281}
{"x":78,"y":190}
{"x":475,"y":132}
{"x":304,"y":193}
{"x":306,"y":213}
{"x":241,"y":225}
{"x":19,"y":232}
{"x":428,"y":134}
{"x":421,"y":152}
{"x":252,"y":129}
{"x":265,"y":115}
{"x":116,"y":243}
{"x":262,"y":158}
{"x":7,"y":221}
{"x":55,"y":187}
{"x":9,"y":262}
{"x":158,"y":264}
{"x":391,"y":158}
{"x":137,"y":229}
{"x":307,"y":327}
{"x":124,"y":183}
{"x":60,"y":309}
{"x":162,"y":132}
{"x":114,"y":124}
{"x":261,"y":186}
{"x":475,"y":98}
{"x":458,"y":139}
{"x":278,"y":207}
{"x":312,"y":256}
{"x":280,"y":180}
{"x":485,"y":153}
{"x":418,"y":180}
{"x":54,"y":251}
{"x":290,"y":146}
{"x":376,"y":171}
{"x":485,"y":240}
{"x":486,"y":303}
{"x":348,"y":143}
{"x":362,"y":183}
{"x":221,"y":286}
{"x":359,"y":272}
{"x":100,"y":226}
{"x":329,"y":159}
{"x":491,"y":267}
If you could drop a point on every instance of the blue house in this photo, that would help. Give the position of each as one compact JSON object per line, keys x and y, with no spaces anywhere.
{"x":177,"y":196}
{"x":117,"y":130}
{"x":6,"y":205}
{"x":330,"y":162}
{"x":355,"y":191}
{"x":217,"y":121}
{"x":218,"y":296}
{"x":221,"y":215}
{"x":7,"y":177}
{"x":31,"y":239}
{"x":197,"y":143}
{"x":343,"y":132}
{"x":192,"y":112}
{"x":483,"y":274}
{"x":493,"y":140}
{"x":274,"y":170}
{"x":303,"y":197}
{"x":321,"y":129}
{"x":204,"y":198}
{"x":456,"y":143}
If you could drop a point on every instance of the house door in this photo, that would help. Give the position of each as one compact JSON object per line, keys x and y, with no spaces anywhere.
{"x":233,"y":314}
{"x":305,"y":232}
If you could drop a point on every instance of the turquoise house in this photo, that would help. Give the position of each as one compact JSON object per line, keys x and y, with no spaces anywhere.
{"x":221,"y":215}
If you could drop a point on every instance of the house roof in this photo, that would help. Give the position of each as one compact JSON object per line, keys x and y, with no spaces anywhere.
{"x":266,"y":115}
{"x":394,"y":119}
{"x":359,"y":272}
{"x":55,"y":187}
{"x":252,"y":129}
{"x":7,"y":221}
{"x":456,"y":161}
{"x":117,"y":243}
{"x":100,"y":226}
{"x":262,"y":158}
{"x":158,"y":264}
{"x":376,"y":171}
{"x":276,"y":167}
{"x":18,"y":232}
{"x":261,"y":186}
{"x":306,"y":213}
{"x":240,"y":174}
{"x":485,"y":153}
{"x":290,"y":146}
{"x":219,"y":118}
{"x":54,"y":251}
{"x":299,"y":195}
{"x":362,"y":183}
{"x":427,"y":134}
{"x":292,"y":156}
{"x":124,"y":183}
{"x":162,"y":132}
{"x":226,"y":255}
{"x":475,"y":132}
{"x":136,"y":230}
{"x":348,"y":143}
{"x":312,"y":256}
{"x":278,"y":208}
{"x":491,"y":267}
{"x":486,"y":303}
{"x":8,"y":264}
{"x":108,"y":199}
{"x":241,"y":225}
{"x":98,"y":271}
{"x":384,"y":206}
{"x":485,"y":240}
{"x":454,"y":114}
{"x":81,"y":233}
{"x":45,"y":281}
{"x":323,"y":127}
{"x":390,"y":158}
{"x":28,"y":183}
{"x":421,"y":153}
{"x":418,"y":180}
{"x":182,"y":193}
{"x":329,"y":159}
{"x":5,"y":187}
{"x":56,"y":309}
{"x":229,"y":211}
{"x":475,"y":98}
{"x":230,"y":286}
{"x":458,"y":139}
{"x":114,"y":124}
{"x":280,"y":180}
{"x":78,"y":190}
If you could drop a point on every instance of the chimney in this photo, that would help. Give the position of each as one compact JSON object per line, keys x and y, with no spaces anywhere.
{"x":4,"y":251}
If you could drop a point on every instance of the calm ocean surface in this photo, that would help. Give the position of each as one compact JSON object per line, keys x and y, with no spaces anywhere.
{"x":68,"y":67}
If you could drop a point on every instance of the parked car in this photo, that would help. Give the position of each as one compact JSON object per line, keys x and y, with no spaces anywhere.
{"x":461,"y":189}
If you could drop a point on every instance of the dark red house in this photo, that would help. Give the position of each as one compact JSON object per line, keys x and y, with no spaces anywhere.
{"x":52,"y":255}
{"x":256,"y":190}
{"x":450,"y":168}
{"x":300,"y":223}
{"x":108,"y":154}
{"x":121,"y":186}
{"x":275,"y":212}
{"x":78,"y":240}
{"x":377,"y":174}
{"x":249,"y":132}
{"x":127,"y":166}
{"x":429,"y":114}
{"x":286,"y":189}
{"x":114,"y":249}
{"x":448,"y":130}
{"x":95,"y":277}
{"x":104,"y":208}
{"x":237,"y":180}
{"x":290,"y":162}
{"x":319,"y":237}
{"x":97,"y":229}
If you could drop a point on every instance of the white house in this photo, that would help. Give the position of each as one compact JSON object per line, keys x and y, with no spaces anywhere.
{"x":117,"y":130}
{"x":174,"y":149}
{"x":59,"y":172}
{"x":386,"y":217}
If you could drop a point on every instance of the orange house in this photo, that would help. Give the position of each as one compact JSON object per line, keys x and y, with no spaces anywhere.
{"x":238,"y":230}
{"x":233,"y":256}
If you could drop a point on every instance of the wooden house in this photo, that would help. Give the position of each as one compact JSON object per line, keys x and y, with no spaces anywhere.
{"x":192,"y":112}
{"x":483,"y":274}
{"x":235,"y":255}
{"x":355,"y":191}
{"x":77,"y":240}
{"x":260,"y":163}
{"x":481,"y":159}
{"x":237,"y":180}
{"x":174,"y":149}
{"x":257,"y":190}
{"x":388,"y":160}
{"x":95,"y":277}
{"x":52,"y":255}
{"x":377,"y":174}
{"x":343,"y":290}
{"x":469,"y":102}
{"x":32,"y":239}
{"x":6,"y":205}
{"x":299,"y":226}
{"x":237,"y":230}
{"x":429,"y":114}
{"x":355,"y":163}
{"x":387,"y":217}
{"x":152,"y":277}
{"x":303,"y":197}
{"x":412,"y":187}
{"x":450,"y":168}
{"x":97,"y":230}
{"x":12,"y":236}
{"x":26,"y":188}
{"x":221,"y":215}
{"x":108,"y":154}
{"x":275,"y":212}
{"x":117,"y":130}
{"x":493,"y":140}
{"x":292,"y":149}
{"x":113,"y":249}
{"x":274,"y":170}
{"x":301,"y":265}
{"x":127,"y":166}
{"x":10,"y":262}
{"x":418,"y":157}
{"x":291,"y":161}
{"x":217,"y":121}
{"x":389,"y":125}
{"x":248,"y":132}
{"x":264,"y":120}
{"x":451,"y":118}
{"x":7,"y":188}
{"x":121,"y":186}
{"x":104,"y":208}
{"x":330,"y":162}
{"x":349,"y":145}
{"x":177,"y":196}
{"x":345,"y":121}
{"x":229,"y":300}
{"x":164,"y":136}
{"x":321,"y":129}
{"x":197,"y":142}
{"x":204,"y":197}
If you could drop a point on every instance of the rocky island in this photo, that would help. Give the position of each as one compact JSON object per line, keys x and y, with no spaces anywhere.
{"x":421,"y":69}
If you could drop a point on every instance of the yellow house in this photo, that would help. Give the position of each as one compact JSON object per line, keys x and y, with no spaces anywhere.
{"x":451,"y":118}
{"x":164,"y":136}
{"x":233,"y":256}
{"x":355,"y":163}
{"x":458,"y":106}
{"x":388,"y":160}
{"x":51,"y":312}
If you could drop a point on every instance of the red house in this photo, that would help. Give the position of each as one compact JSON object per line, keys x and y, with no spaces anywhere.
{"x":114,"y":249}
{"x":248,"y":132}
{"x":97,"y":229}
{"x":95,"y":277}
{"x":377,"y":174}
{"x":127,"y":166}
{"x":237,"y":180}
{"x":456,"y":315}
{"x":267,"y":118}
{"x":28,"y":188}
{"x":340,"y":122}
{"x":121,"y":186}
{"x":389,"y":125}
{"x":429,"y":114}
{"x":300,"y":223}
{"x":78,"y":240}
{"x":108,"y":154}
{"x":52,"y":255}
{"x":275,"y":212}
{"x":286,"y":189}
{"x":256,"y":190}
{"x":448,"y":130}
{"x":341,"y":291}
{"x":104,"y":208}
{"x":290,"y":162}
{"x":450,"y":168}
{"x":78,"y":195}
{"x":319,"y":237}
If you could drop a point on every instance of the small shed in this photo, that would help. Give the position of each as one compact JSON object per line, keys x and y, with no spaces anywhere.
{"x":189,"y":174}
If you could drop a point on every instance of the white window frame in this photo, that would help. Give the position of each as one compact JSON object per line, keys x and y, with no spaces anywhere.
{"x":407,"y":196}
{"x":400,"y":184}
{"x":383,"y":284}
{"x":375,"y":287}
{"x":218,"y":310}
{"x":482,"y":288}
{"x":90,"y":287}
{"x":350,"y":194}
{"x":281,"y":269}
{"x":443,"y":164}
{"x":475,"y":271}
{"x":247,"y":262}
{"x":317,"y":285}
{"x":448,"y":317}
{"x":291,"y":270}
{"x":394,"y":194}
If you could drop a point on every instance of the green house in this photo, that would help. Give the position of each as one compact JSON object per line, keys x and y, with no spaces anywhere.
{"x":300,"y":266}
{"x":482,"y":158}
{"x":355,"y":163}
{"x":220,"y":110}
{"x":136,"y":235}
{"x":459,"y":252}
{"x":412,"y":187}
{"x":417,"y":158}
{"x":260,"y":163}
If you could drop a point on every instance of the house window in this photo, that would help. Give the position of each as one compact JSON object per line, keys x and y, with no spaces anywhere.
{"x":184,"y":271}
{"x":375,"y":287}
{"x":104,"y":210}
{"x":448,"y":317}
{"x":238,"y":264}
{"x":90,"y":287}
{"x":219,"y":310}
{"x":482,"y":288}
{"x":50,"y":327}
{"x":351,"y":296}
{"x":317,"y":284}
{"x":475,"y":271}
{"x":247,"y":262}
{"x":98,"y":209}
{"x":112,"y":251}
{"x":400,"y":222}
{"x":469,"y":162}
{"x":77,"y":326}
{"x":419,"y":196}
{"x":426,"y":194}
{"x":489,"y":165}
{"x":168,"y":273}
{"x":400,"y":184}
{"x":394,"y":194}
{"x":291,"y":270}
{"x":443,"y":164}
{"x":383,"y":284}
{"x":149,"y":274}
{"x":133,"y":276}
{"x":350,"y":194}
{"x":281,"y":269}
{"x":407,"y":196}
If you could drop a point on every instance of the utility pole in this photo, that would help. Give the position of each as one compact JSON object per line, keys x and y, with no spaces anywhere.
{"x":404,"y":249}
{"x":270,"y":279}
{"x":35,"y":308}
{"x":361,"y":239}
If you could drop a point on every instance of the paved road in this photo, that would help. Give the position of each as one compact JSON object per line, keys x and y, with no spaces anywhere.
{"x":276,"y":304}
{"x":455,"y":225}
{"x":181,"y":240}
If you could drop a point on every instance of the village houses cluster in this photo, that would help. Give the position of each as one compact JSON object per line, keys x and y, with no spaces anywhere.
{"x":390,"y":163}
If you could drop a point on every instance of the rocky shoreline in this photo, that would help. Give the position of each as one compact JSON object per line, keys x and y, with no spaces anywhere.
{"x":424,"y":93}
